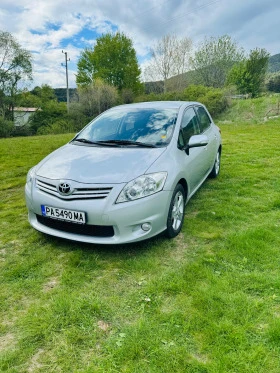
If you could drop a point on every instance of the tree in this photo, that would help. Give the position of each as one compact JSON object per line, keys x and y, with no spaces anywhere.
{"x":113,"y":59}
{"x":45,"y":92}
{"x":273,"y":84}
{"x":249,"y":75}
{"x":38,"y":97}
{"x":15,"y":65}
{"x":214,"y":59}
{"x":170,"y":57}
{"x":97,"y":97}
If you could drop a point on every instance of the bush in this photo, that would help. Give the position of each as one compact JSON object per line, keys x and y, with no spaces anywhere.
{"x":213,"y":98}
{"x":168,"y":96}
{"x":127,"y":96}
{"x":59,"y":126}
{"x":97,"y":97}
{"x":193,"y":92}
{"x":6,"y":128}
{"x":77,"y":116}
{"x":215,"y":101}
{"x":22,"y":130}
{"x":51,"y":112}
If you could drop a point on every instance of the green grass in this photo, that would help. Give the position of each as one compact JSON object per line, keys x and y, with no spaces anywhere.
{"x":252,"y":111}
{"x":205,"y":302}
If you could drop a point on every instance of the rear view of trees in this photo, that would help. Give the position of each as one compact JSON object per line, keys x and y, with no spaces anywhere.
{"x":249,"y":75}
{"x":273,"y":84}
{"x":109,"y":74}
{"x":113,"y":59}
{"x":170,"y":58}
{"x":15,"y":63}
{"x":97,"y":97}
{"x":15,"y":68}
{"x":214,"y":59}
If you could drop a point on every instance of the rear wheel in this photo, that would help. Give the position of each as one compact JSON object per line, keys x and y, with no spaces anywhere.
{"x":176,"y":212}
{"x":217,"y":164}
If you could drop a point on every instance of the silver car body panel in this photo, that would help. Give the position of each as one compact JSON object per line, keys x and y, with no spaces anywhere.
{"x":98,"y":174}
{"x":98,"y":165}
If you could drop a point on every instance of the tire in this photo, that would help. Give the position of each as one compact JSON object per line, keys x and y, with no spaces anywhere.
{"x":176,"y":212}
{"x":217,"y":165}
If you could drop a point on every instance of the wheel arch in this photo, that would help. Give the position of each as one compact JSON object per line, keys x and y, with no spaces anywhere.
{"x":184,"y":184}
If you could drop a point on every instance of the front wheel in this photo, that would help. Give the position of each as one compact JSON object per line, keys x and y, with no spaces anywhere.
{"x":217,"y":164}
{"x":176,"y":212}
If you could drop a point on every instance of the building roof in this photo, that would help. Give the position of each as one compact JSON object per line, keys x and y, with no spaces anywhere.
{"x":26,"y":109}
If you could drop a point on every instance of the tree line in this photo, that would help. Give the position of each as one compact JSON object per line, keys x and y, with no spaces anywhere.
{"x":109,"y":74}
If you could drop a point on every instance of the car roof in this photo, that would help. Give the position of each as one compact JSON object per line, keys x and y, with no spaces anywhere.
{"x":158,"y":105}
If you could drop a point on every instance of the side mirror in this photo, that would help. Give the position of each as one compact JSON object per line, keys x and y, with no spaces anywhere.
{"x":196,"y":141}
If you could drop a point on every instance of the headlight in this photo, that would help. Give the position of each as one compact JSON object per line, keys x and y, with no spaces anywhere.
{"x":30,"y":177}
{"x":143,"y":186}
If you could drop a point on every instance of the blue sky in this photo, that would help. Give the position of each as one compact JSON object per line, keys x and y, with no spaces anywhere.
{"x":45,"y":27}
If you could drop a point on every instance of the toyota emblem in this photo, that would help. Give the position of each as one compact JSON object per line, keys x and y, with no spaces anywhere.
{"x":64,"y":188}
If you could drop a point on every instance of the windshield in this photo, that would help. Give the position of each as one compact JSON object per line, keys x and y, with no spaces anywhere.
{"x":131,"y":126}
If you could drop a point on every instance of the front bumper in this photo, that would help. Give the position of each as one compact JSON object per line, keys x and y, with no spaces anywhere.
{"x":125,"y":218}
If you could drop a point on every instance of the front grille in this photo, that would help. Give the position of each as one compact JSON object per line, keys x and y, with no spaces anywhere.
{"x":78,"y":193}
{"x":83,"y":229}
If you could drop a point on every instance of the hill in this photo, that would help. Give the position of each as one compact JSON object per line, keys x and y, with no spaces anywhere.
{"x":62,"y":95}
{"x":274,"y":63}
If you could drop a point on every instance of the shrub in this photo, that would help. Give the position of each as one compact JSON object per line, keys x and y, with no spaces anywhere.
{"x":59,"y":126}
{"x":215,"y":101}
{"x":6,"y":128}
{"x":77,"y":116}
{"x":193,"y":92}
{"x":213,"y":98}
{"x":22,"y":130}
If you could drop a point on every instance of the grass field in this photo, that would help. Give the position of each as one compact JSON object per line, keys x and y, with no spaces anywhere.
{"x":252,"y":111}
{"x":206,"y":302}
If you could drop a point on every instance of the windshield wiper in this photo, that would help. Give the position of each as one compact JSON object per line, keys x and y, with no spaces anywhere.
{"x":128,"y":142}
{"x":86,"y":141}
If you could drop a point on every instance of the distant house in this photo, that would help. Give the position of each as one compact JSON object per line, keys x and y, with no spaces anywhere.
{"x":22,"y":114}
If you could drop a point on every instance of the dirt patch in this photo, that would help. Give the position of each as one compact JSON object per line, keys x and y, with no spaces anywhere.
{"x":181,"y":250}
{"x":34,"y":363}
{"x":200,"y":358}
{"x":2,"y":255}
{"x":7,"y":341}
{"x":103,"y":325}
{"x":51,"y":284}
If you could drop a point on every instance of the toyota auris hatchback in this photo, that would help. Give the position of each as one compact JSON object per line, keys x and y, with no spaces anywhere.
{"x":127,"y":175}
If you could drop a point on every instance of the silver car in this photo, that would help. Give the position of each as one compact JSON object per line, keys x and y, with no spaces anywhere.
{"x":127,"y":175}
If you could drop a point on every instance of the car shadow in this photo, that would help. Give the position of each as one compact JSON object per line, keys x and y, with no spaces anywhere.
{"x":119,"y":250}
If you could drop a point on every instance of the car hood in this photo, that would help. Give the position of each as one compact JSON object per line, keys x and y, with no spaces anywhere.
{"x":101,"y":165}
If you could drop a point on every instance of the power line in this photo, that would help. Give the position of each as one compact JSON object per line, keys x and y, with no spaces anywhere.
{"x":183,"y":15}
{"x":149,"y":9}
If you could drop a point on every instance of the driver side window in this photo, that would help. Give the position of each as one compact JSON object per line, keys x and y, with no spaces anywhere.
{"x":189,"y":126}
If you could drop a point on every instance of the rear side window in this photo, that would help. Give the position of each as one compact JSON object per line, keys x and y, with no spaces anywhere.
{"x":204,"y":120}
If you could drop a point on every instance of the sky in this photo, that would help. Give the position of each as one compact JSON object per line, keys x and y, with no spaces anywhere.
{"x":48,"y":27}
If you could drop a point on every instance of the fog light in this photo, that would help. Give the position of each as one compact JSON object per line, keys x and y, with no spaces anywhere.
{"x":146,"y":227}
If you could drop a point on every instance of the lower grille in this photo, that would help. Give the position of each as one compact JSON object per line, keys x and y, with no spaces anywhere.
{"x":84,"y":229}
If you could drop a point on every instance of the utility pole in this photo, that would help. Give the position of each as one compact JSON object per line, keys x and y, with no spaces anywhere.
{"x":67,"y":88}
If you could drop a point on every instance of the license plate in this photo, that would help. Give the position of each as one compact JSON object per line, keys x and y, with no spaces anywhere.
{"x":63,"y":214}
